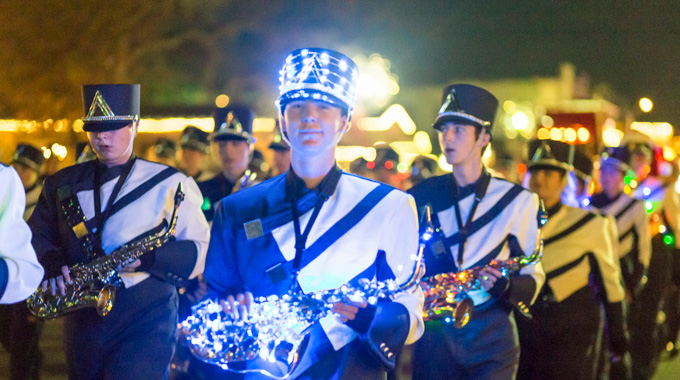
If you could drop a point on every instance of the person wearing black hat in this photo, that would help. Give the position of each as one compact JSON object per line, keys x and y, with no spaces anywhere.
{"x":195,"y":146}
{"x":482,"y":218}
{"x":27,"y":161}
{"x":164,"y":151}
{"x":632,"y":220}
{"x":385,"y":166}
{"x":422,"y":168}
{"x":663,"y":204}
{"x":22,"y":326}
{"x":577,"y":192}
{"x":113,"y":200}
{"x":257,"y":249}
{"x":281,"y":155}
{"x":233,"y":137}
{"x":20,"y":275}
{"x":563,"y":338}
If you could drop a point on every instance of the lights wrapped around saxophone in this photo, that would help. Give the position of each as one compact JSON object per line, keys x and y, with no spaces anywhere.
{"x":94,"y":284}
{"x":446,"y":294}
{"x":271,"y":340}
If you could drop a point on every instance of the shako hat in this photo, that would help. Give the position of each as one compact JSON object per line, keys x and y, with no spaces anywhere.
{"x":195,"y":139}
{"x":278,"y":143}
{"x":165,"y":148}
{"x":319,"y":74}
{"x":468,"y":104}
{"x":233,"y":123}
{"x":550,"y":154}
{"x":29,"y":156}
{"x":108,"y":107}
{"x":583,"y":165}
{"x":618,"y":157}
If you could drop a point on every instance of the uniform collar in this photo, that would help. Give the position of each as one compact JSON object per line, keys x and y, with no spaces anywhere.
{"x":296,"y":188}
{"x":109,"y":173}
{"x":553,"y":210}
{"x":601,"y":200}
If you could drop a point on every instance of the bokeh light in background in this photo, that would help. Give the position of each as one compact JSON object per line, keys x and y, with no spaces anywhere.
{"x":646,"y":104}
{"x":222,"y":101}
{"x":376,"y":84}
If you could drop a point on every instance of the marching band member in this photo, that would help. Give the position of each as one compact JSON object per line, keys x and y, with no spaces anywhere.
{"x":563,"y":338}
{"x":194,"y":146}
{"x":112,"y":200}
{"x":235,"y":142}
{"x":316,"y":227}
{"x":662,"y":203}
{"x":632,"y":221}
{"x":482,"y":218}
{"x":17,"y":325}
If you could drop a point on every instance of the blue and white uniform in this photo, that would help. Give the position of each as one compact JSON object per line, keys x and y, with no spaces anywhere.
{"x":363,"y":230}
{"x":20,"y":272}
{"x":136,"y":339}
{"x":505,"y":224}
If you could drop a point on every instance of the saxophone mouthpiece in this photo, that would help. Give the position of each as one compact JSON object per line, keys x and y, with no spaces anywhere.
{"x":179,"y":194}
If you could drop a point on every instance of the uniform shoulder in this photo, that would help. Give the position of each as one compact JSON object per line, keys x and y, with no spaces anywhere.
{"x":264,"y":188}
{"x":504,"y":184}
{"x":70,"y":174}
{"x":157,"y":167}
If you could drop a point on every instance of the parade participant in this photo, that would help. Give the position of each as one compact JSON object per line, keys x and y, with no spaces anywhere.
{"x":281,"y":151}
{"x":164,"y":151}
{"x":233,"y":136}
{"x":384,"y":166}
{"x":316,"y":227}
{"x":195,"y":146}
{"x":632,"y":221}
{"x":422,"y":168}
{"x":119,"y":198}
{"x":21,"y":325}
{"x":661,"y":202}
{"x":577,"y":192}
{"x":482,"y":218}
{"x":563,"y":338}
{"x":20,"y":273}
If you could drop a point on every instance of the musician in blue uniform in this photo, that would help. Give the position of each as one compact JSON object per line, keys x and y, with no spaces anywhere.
{"x":88,"y":210}
{"x":563,"y":338}
{"x":316,"y":227}
{"x":234,"y":139}
{"x":482,"y":218}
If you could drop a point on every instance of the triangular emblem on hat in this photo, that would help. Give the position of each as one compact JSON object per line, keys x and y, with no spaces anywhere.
{"x":312,"y":67}
{"x":451,"y":103}
{"x":98,"y":103}
{"x":232,"y":123}
{"x":543,"y":152}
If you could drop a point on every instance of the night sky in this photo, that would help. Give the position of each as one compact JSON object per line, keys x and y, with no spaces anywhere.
{"x":628,"y":49}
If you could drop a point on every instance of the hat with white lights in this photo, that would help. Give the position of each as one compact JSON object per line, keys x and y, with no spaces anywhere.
{"x":468,"y":104}
{"x":550,"y":154}
{"x":319,"y":74}
{"x":618,"y":157}
{"x":108,"y":107}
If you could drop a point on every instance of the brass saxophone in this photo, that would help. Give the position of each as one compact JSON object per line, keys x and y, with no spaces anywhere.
{"x":272,"y":339}
{"x":446,"y":294}
{"x":94,"y":284}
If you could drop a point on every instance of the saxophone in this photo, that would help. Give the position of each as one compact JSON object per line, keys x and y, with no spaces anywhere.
{"x":271,"y":340}
{"x":446,"y":294}
{"x":94,"y":284}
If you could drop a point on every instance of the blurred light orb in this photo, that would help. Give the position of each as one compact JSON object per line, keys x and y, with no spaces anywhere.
{"x":547,"y":121}
{"x":646,"y":104}
{"x":520,"y":120}
{"x":222,"y":101}
{"x":543,"y":134}
{"x":376,"y":84}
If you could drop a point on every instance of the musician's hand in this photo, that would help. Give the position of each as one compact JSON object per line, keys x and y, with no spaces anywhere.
{"x":132,"y":266}
{"x":488,"y":277}
{"x":348,"y":309}
{"x":58,"y":282}
{"x":239,"y":306}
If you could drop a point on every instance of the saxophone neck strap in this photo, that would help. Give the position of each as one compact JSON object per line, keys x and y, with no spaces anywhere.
{"x":479,"y":193}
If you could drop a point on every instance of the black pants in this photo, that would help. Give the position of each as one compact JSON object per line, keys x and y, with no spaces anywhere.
{"x":562,"y":340}
{"x":135,"y":340}
{"x":20,"y":334}
{"x":645,"y":340}
{"x":486,"y":348}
